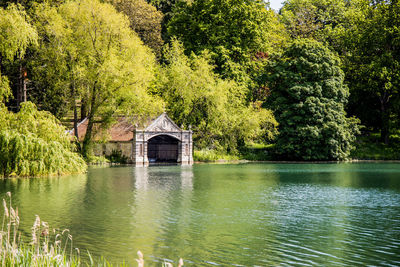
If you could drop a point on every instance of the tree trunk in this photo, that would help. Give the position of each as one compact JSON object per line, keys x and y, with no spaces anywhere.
{"x":83,"y":110}
{"x":86,"y":145}
{"x":87,"y":141}
{"x":20,"y":90}
{"x":76,"y":133}
{"x":385,"y":128}
{"x":75,"y":111}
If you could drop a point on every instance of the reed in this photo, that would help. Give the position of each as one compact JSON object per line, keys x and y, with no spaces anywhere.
{"x":48,"y":247}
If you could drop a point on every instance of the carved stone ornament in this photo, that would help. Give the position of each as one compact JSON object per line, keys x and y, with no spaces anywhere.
{"x":163,"y":124}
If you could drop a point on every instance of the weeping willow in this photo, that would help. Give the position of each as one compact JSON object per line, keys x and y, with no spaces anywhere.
{"x":33,"y":143}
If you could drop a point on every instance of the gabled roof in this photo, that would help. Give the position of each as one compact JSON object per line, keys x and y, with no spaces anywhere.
{"x":163,"y":124}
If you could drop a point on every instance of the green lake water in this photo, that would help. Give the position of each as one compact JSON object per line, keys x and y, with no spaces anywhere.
{"x":224,"y":214}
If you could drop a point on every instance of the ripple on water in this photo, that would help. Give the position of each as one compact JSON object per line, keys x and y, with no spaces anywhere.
{"x":224,"y":215}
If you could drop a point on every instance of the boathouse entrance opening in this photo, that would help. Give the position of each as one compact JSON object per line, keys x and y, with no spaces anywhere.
{"x":163,"y":148}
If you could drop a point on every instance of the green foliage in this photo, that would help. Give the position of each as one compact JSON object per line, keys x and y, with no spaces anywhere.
{"x":117,"y":157}
{"x":207,"y":155}
{"x":373,"y":66}
{"x":5,"y":91}
{"x":241,"y":27}
{"x":257,"y":152}
{"x":309,"y":96}
{"x":95,"y":160}
{"x":16,"y":34}
{"x":145,"y":20}
{"x":238,"y":34}
{"x":369,"y":147}
{"x":327,"y":21}
{"x":215,"y":108}
{"x":102,"y":60}
{"x":33,"y":143}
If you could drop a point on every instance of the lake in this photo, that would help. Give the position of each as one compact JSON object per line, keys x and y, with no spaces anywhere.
{"x":254,"y":214}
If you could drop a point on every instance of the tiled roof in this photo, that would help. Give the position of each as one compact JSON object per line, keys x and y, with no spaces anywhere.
{"x":122,"y":130}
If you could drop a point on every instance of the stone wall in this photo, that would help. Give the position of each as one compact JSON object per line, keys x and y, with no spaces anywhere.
{"x":105,"y":149}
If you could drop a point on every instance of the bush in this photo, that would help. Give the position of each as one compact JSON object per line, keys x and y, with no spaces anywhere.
{"x":309,"y":95}
{"x":207,"y":155}
{"x":117,"y":157}
{"x":33,"y":143}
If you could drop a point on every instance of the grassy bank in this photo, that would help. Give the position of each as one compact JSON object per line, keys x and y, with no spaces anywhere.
{"x":369,"y":147}
{"x":47,"y":247}
{"x":252,"y":152}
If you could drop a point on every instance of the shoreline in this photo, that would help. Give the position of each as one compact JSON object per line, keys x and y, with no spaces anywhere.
{"x":300,"y":162}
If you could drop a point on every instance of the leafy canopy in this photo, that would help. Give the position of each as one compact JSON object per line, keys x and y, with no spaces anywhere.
{"x":327,"y":21}
{"x":145,"y":20}
{"x":215,"y":108}
{"x":373,"y":66}
{"x":309,"y":97}
{"x":16,"y":34}
{"x":103,"y":59}
{"x":233,"y":31}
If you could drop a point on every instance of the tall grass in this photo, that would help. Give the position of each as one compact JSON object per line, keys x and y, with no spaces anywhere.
{"x":208,"y":155}
{"x":47,"y":246}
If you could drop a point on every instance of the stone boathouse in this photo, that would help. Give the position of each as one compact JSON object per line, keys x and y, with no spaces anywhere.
{"x":158,"y":141}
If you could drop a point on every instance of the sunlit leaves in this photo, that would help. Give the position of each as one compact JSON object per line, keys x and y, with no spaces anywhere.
{"x":216,"y":108}
{"x":233,"y":31}
{"x":144,"y":19}
{"x":16,"y":34}
{"x":34,"y":143}
{"x":102,"y":58}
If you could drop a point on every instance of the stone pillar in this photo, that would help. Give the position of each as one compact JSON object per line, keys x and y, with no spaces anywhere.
{"x":190,"y":156}
{"x":187,"y":147}
{"x":180,"y":152}
{"x":145,"y":157}
{"x":140,"y":148}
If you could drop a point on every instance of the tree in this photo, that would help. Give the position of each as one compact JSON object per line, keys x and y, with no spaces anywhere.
{"x":327,"y":21}
{"x":373,"y":66}
{"x":34,"y":143}
{"x":145,"y":20}
{"x":103,"y":60}
{"x":233,"y":31}
{"x":16,"y":34}
{"x":167,"y":8}
{"x":308,"y":96}
{"x":216,"y":109}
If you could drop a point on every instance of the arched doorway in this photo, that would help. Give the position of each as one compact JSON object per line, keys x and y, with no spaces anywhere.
{"x":162,"y":148}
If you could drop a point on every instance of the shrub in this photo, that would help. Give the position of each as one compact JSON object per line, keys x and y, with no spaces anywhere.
{"x":33,"y":143}
{"x":309,"y":95}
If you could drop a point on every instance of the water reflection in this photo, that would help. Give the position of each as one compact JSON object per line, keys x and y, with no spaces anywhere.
{"x":245,"y":214}
{"x":164,"y":177}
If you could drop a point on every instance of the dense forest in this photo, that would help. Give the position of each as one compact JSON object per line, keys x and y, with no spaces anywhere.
{"x":314,"y":79}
